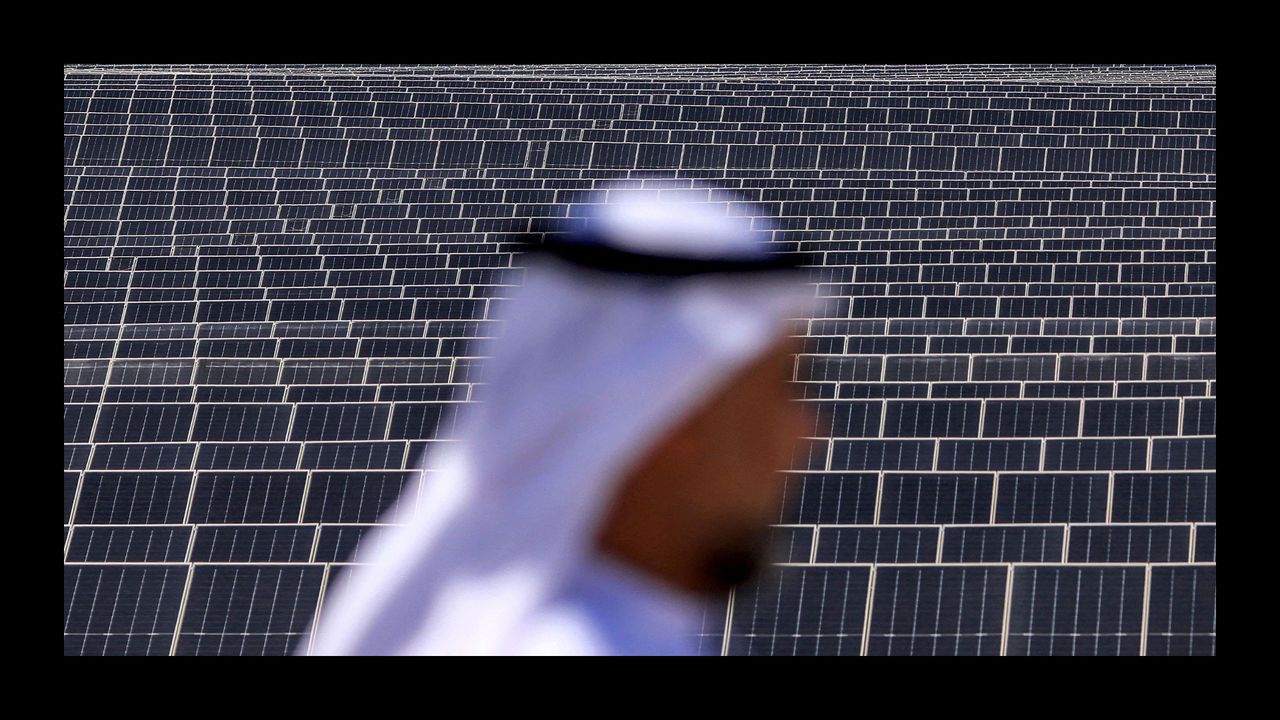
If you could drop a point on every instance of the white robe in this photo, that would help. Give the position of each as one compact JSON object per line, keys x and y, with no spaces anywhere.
{"x":610,"y":608}
{"x":589,"y":370}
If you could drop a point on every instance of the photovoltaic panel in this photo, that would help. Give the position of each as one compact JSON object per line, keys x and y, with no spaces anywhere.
{"x":1003,"y":543}
{"x":133,"y":498}
{"x":1076,"y":610}
{"x":829,"y":498}
{"x":800,"y":611}
{"x":247,"y":609}
{"x":340,"y":543}
{"x":129,"y":543}
{"x":935,"y":498}
{"x":1129,"y":543}
{"x":1052,"y":497}
{"x":937,"y":611}
{"x":253,"y":543}
{"x":120,"y":609}
{"x":1183,"y":610}
{"x":877,"y":545}
{"x":1206,"y":539}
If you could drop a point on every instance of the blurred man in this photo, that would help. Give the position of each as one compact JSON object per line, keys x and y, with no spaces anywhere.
{"x":622,"y":463}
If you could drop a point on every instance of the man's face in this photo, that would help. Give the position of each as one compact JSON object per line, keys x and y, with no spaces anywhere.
{"x":700,"y":504}
{"x":744,"y":439}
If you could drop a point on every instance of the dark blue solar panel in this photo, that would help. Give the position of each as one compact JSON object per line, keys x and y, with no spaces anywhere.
{"x":935,"y":499}
{"x":129,"y":543}
{"x":1206,"y":539}
{"x":133,"y":498}
{"x":247,"y":609}
{"x":1183,"y":611}
{"x":829,"y":498}
{"x":877,"y":545}
{"x":355,"y":497}
{"x":1052,"y":497}
{"x":994,"y":544}
{"x":1165,"y":497}
{"x":253,"y":543}
{"x":1076,"y":610}
{"x":1129,"y":543}
{"x":800,"y":611}
{"x":882,"y":454}
{"x":120,"y":609}
{"x":937,"y":611}
{"x":340,"y":543}
{"x":248,"y":497}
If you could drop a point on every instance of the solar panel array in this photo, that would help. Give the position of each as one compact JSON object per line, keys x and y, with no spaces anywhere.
{"x":275,"y":277}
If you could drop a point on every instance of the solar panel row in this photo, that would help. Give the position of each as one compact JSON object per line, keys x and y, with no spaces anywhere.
{"x":1154,"y":609}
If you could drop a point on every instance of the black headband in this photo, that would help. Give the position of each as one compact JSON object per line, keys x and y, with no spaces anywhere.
{"x":593,"y":251}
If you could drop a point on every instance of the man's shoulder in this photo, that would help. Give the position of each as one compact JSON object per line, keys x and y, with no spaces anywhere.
{"x":608,"y":608}
{"x":583,"y":624}
{"x":563,"y":629}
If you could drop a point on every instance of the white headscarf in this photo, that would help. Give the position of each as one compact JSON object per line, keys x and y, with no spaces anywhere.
{"x":590,"y":368}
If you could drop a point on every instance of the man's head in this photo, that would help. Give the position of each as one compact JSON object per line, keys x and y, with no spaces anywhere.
{"x":620,"y":326}
{"x":695,"y":509}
